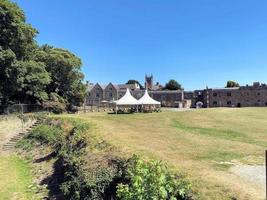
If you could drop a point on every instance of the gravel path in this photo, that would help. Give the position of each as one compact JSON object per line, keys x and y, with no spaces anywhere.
{"x":252,"y":173}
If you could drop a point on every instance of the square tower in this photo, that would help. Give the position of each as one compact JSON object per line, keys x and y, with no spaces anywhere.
{"x":149,"y":82}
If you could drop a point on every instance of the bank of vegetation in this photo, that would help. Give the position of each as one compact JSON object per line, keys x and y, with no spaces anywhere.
{"x":86,"y":167}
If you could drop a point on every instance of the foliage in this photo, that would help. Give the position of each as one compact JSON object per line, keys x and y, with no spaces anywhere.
{"x":231,"y":84}
{"x":54,"y":106}
{"x":80,"y":182}
{"x":65,"y":70}
{"x":42,"y":134}
{"x":173,"y":85}
{"x":131,"y":81}
{"x":151,"y":180}
{"x":33,"y":74}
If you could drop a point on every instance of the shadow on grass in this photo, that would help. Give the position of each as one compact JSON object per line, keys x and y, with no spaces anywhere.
{"x":53,"y":181}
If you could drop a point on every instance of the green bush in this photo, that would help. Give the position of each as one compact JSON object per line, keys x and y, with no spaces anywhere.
{"x":151,"y":180}
{"x":54,"y":106}
{"x":45,"y":134}
{"x":42,"y":134}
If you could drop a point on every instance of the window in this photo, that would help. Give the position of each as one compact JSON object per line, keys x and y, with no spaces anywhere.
{"x":215,"y":103}
{"x":110,"y":88}
{"x":110,"y":94}
{"x":259,"y":100}
{"x":258,"y":93}
{"x":97,"y":95}
{"x":229,"y":103}
{"x":229,"y":94}
{"x":215,"y":94}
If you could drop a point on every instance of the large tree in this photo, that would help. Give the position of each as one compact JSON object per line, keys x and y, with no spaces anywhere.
{"x":33,"y":74}
{"x":231,"y":84}
{"x":22,"y":80}
{"x":173,"y":85}
{"x":65,"y":70}
{"x":132,"y":81}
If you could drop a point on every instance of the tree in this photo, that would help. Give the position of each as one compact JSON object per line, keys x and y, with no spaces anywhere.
{"x":131,"y":81}
{"x":173,"y":85}
{"x":15,"y":33}
{"x":22,"y":80}
{"x":66,"y":75}
{"x":231,"y":84}
{"x":33,"y":74}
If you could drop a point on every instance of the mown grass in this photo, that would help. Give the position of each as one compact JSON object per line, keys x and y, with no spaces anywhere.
{"x":202,"y":143}
{"x":15,"y":179}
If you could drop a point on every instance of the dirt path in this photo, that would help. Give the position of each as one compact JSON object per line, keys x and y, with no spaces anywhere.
{"x":252,"y":173}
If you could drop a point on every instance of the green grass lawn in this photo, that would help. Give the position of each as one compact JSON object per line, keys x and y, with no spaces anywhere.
{"x":15,"y":179}
{"x":202,"y":143}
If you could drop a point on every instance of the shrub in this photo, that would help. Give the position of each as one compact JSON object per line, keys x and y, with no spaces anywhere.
{"x":80,"y":180}
{"x":151,"y":180}
{"x":45,"y":134}
{"x":55,"y":107}
{"x":42,"y":134}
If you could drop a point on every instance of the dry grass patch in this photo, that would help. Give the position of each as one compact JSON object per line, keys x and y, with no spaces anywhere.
{"x":201,"y":143}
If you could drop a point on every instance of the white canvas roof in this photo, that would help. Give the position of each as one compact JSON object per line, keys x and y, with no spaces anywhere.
{"x":127,"y":99}
{"x":147,"y":100}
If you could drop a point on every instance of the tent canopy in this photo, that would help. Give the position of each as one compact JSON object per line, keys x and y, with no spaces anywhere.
{"x":147,"y":100}
{"x":127,"y":99}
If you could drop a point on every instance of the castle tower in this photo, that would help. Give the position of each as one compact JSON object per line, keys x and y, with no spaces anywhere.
{"x":149,"y":82}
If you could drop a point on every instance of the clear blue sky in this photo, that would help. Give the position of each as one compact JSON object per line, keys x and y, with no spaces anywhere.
{"x":197,"y":42}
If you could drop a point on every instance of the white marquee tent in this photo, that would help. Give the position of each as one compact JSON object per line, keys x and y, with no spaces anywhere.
{"x":147,"y":100}
{"x":127,"y":100}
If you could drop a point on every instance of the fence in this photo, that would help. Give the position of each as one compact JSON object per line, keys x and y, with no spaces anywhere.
{"x":101,"y":108}
{"x":21,"y":109}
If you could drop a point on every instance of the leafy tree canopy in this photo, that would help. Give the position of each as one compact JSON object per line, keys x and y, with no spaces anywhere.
{"x":33,"y":74}
{"x":132,"y":81}
{"x":173,"y":85}
{"x":231,"y":84}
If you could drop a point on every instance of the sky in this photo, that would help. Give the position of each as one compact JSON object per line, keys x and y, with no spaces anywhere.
{"x":199,"y":43}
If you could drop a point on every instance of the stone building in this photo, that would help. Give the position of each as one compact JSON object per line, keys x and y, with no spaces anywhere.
{"x":98,"y":94}
{"x":244,"y":96}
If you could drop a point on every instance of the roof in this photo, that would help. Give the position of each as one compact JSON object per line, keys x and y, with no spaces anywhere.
{"x":125,"y":86}
{"x":232,"y":88}
{"x":127,"y":99}
{"x":165,"y":91}
{"x":147,"y":100}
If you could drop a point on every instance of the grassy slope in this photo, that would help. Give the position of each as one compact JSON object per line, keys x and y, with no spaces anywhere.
{"x":15,"y":173}
{"x":15,"y":178}
{"x":200,"y":143}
